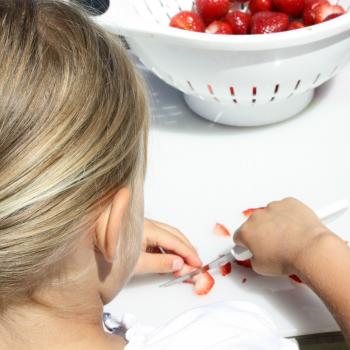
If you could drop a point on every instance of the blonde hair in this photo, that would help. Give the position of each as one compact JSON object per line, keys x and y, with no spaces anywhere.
{"x":73,"y":121}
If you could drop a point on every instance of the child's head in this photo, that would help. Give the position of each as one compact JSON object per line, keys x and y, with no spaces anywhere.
{"x":73,"y":120}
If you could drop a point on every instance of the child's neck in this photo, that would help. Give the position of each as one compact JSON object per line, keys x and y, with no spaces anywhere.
{"x":39,"y":327}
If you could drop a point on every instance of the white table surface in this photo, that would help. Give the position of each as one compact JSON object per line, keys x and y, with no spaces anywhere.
{"x":200,"y":173}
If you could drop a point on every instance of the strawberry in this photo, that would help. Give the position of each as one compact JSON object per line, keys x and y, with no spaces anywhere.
{"x":267,"y":22}
{"x":333,"y":15}
{"x":295,"y":25}
{"x":250,"y":211}
{"x":309,"y":11}
{"x":322,"y":11}
{"x":203,"y":283}
{"x":290,"y":7}
{"x":295,"y":278}
{"x":188,"y":20}
{"x":219,"y":27}
{"x":245,"y":263}
{"x":226,"y":269}
{"x":239,"y":21}
{"x":260,"y":5}
{"x":221,"y":230}
{"x":211,"y":10}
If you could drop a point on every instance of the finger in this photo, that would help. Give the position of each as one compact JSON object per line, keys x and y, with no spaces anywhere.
{"x":165,"y":239}
{"x":158,"y":263}
{"x":174,"y":231}
{"x":239,"y":237}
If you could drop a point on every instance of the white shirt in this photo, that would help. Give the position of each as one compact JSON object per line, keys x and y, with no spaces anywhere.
{"x":227,"y":325}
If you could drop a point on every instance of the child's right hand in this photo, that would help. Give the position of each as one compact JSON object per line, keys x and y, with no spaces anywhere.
{"x":279,"y":235}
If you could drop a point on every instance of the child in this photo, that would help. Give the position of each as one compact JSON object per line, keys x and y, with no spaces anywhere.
{"x":73,"y":134}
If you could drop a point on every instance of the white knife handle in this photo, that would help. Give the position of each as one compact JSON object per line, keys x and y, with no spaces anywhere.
{"x":325,"y":214}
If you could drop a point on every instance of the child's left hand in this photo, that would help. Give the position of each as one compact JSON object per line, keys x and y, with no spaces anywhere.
{"x":178,"y":250}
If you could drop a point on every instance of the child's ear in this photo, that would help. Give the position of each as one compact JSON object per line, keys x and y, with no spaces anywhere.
{"x":109,"y":224}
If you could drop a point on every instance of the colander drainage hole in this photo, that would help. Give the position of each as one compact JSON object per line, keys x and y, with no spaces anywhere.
{"x":190,"y":85}
{"x":232,"y":90}
{"x":254,"y":91}
{"x":276,"y":89}
{"x":210,"y":88}
{"x":297,"y":85}
{"x":272,"y":99}
{"x":162,"y":5}
{"x":317,"y":78}
{"x":148,"y":8}
{"x":179,"y":6}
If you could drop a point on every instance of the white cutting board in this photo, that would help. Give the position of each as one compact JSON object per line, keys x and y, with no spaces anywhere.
{"x":200,"y":173}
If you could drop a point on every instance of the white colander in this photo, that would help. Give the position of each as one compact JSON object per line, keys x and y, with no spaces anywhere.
{"x":242,"y":80}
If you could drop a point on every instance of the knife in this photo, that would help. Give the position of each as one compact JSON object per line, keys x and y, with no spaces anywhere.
{"x":325,"y":214}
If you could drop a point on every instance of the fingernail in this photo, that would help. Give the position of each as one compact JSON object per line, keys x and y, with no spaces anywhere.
{"x":178,"y":264}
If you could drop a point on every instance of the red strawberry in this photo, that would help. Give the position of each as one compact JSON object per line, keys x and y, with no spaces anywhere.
{"x":245,"y":263}
{"x":188,"y":20}
{"x":309,"y":11}
{"x":260,"y":5}
{"x":219,"y":27}
{"x":239,"y":21}
{"x":333,"y":15}
{"x":250,"y":211}
{"x":267,"y":22}
{"x":211,"y":10}
{"x":221,"y":230}
{"x":295,"y":25}
{"x":323,"y":11}
{"x":295,"y":278}
{"x":226,"y":269}
{"x":203,"y":283}
{"x":290,"y":7}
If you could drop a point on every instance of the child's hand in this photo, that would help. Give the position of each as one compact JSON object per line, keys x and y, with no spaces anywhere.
{"x":178,"y":250}
{"x":279,"y":235}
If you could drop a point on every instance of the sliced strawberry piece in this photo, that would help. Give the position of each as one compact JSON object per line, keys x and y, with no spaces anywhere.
{"x":188,"y":20}
{"x":332,"y":16}
{"x":240,"y":22}
{"x":296,"y":25}
{"x":260,"y":5}
{"x":219,"y":27}
{"x":309,"y":11}
{"x":295,"y":278}
{"x":323,"y":11}
{"x":290,"y":7}
{"x":248,"y":212}
{"x":267,"y":22}
{"x":221,"y":230}
{"x":226,"y":269}
{"x":203,"y":283}
{"x":211,"y":10}
{"x":245,"y":263}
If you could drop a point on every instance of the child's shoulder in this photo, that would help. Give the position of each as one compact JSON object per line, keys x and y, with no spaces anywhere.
{"x":219,"y":326}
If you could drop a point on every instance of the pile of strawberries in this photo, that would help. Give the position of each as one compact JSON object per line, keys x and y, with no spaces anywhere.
{"x":263,"y":17}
